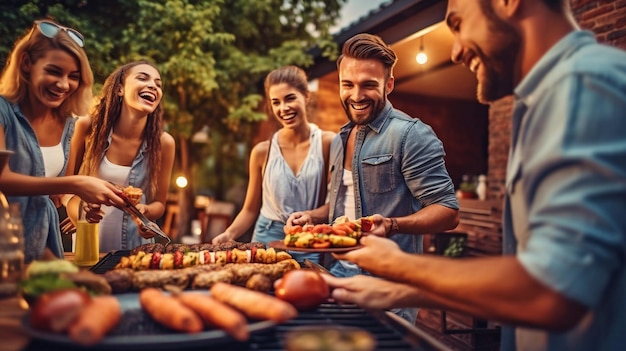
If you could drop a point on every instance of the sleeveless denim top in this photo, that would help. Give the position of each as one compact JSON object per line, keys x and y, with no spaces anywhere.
{"x":40,"y":216}
{"x":139,"y":178}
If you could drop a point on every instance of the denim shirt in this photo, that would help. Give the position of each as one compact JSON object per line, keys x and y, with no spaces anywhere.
{"x":397,"y":169}
{"x":138,"y":177}
{"x":39,"y":214}
{"x":565,"y":204}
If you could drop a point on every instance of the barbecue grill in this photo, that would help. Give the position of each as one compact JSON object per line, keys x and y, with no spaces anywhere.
{"x":390,"y":331}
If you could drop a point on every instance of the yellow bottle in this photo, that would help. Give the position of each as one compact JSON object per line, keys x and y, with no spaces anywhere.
{"x":87,"y":251}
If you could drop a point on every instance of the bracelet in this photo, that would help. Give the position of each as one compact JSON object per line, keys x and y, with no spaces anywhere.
{"x":393,"y":229}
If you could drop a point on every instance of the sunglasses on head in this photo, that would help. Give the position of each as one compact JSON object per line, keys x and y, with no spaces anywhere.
{"x":51,"y":29}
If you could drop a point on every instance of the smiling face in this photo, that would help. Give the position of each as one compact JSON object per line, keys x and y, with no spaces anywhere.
{"x":485,"y":44}
{"x":52,"y":78}
{"x":142,"y":88}
{"x":288,"y":104}
{"x":363,"y":89}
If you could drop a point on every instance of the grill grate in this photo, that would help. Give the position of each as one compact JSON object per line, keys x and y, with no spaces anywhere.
{"x":389,"y":333}
{"x":108,"y":261}
{"x":387,"y":338}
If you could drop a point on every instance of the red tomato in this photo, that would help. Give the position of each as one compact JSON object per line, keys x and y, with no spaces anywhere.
{"x":304,"y":288}
{"x":178,"y":259}
{"x":366,"y":224}
{"x":294,"y":230}
{"x":56,"y":310}
{"x":156,"y":260}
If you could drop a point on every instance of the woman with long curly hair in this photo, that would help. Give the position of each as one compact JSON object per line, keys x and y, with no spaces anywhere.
{"x":123,"y":141}
{"x":45,"y":84}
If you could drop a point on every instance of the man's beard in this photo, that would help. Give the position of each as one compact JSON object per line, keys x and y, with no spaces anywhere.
{"x":498,"y":82}
{"x":500,"y":62}
{"x":376,"y":109}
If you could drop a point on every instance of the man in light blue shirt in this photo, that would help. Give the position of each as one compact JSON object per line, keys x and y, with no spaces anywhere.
{"x":561,"y":284}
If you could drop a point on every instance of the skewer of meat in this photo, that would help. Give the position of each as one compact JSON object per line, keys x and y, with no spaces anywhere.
{"x":179,"y":259}
{"x":199,"y":277}
{"x":172,"y":248}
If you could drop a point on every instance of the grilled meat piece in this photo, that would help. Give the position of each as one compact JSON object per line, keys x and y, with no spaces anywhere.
{"x":259,"y":282}
{"x":144,"y":248}
{"x":257,"y":244}
{"x":202,"y":276}
{"x":158,"y":278}
{"x":158,"y":247}
{"x":120,"y":280}
{"x":206,"y":280}
{"x":171,"y":248}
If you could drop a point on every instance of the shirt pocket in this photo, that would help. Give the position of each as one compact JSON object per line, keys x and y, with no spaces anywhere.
{"x":378,"y":174}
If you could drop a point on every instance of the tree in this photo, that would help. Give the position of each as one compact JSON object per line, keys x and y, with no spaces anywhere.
{"x":213,"y":56}
{"x":100,"y":22}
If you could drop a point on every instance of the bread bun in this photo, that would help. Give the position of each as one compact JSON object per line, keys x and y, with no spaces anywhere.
{"x":133,"y":194}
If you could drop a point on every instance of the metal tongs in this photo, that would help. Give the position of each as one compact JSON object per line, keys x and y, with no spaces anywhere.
{"x":134,"y":211}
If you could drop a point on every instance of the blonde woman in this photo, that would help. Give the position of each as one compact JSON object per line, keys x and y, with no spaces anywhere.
{"x":45,"y":83}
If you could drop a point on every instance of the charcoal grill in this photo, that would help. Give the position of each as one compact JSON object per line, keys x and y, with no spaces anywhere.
{"x":390,"y":331}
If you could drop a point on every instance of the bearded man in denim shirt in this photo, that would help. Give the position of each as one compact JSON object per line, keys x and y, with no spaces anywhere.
{"x":383,"y":162}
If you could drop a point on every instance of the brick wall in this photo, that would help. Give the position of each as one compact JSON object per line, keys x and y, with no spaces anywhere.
{"x":460,"y":125}
{"x":606,"y":18}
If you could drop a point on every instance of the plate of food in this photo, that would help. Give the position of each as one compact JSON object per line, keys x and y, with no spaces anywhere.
{"x":341,"y":236}
{"x":280,"y":245}
{"x":139,"y":331}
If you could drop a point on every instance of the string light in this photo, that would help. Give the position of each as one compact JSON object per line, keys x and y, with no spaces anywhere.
{"x":421,"y":57}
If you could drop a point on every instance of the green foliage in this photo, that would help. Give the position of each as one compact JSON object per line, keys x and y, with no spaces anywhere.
{"x":213,"y":56}
{"x":455,"y":248}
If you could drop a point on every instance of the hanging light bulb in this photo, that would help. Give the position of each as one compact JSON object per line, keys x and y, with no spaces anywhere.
{"x":421,"y":57}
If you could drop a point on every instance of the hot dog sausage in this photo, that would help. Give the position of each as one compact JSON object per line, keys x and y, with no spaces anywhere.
{"x":169,"y":311}
{"x":217,"y":314}
{"x":254,"y":304}
{"x":99,"y":317}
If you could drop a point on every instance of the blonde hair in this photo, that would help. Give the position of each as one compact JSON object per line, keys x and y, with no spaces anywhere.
{"x":14,"y":80}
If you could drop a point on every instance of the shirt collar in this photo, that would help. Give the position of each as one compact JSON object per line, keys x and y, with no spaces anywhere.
{"x":559,"y":52}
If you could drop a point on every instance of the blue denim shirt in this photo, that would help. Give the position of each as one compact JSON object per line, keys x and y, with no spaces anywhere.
{"x":138,"y":177}
{"x":397,"y":169}
{"x":565,"y":205}
{"x":40,"y":216}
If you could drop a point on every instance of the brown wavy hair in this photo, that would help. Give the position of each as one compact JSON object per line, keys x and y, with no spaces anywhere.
{"x":366,"y":46}
{"x":14,"y":81}
{"x":105,"y":115}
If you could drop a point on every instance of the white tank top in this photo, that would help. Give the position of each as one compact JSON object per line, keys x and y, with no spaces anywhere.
{"x":285,"y":192}
{"x":349,"y":205}
{"x":53,"y":159}
{"x":110,"y":229}
{"x":349,"y":208}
